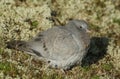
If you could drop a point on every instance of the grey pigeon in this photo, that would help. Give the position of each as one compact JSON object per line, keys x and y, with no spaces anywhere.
{"x":61,"y":47}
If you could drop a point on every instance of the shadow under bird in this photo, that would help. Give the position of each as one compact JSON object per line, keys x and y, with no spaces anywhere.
{"x":61,"y":47}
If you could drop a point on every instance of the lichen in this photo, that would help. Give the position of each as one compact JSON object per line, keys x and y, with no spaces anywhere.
{"x":23,"y":19}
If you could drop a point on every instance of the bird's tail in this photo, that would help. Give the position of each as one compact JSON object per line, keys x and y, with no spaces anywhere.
{"x":23,"y":46}
{"x":17,"y":45}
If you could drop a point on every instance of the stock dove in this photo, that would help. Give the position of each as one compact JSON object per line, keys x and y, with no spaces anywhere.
{"x":60,"y":47}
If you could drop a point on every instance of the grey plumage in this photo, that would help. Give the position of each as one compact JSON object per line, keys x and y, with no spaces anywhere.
{"x":62,"y":46}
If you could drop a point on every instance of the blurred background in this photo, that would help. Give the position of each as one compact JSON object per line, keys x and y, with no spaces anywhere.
{"x":23,"y":19}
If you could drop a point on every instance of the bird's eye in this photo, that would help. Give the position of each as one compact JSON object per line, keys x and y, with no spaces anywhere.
{"x":80,"y":26}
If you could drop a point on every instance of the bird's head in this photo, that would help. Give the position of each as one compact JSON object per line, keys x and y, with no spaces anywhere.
{"x":81,"y":24}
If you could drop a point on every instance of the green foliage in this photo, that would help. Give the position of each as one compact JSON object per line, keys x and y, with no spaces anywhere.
{"x":53,"y":76}
{"x":5,"y":66}
{"x":86,"y":68}
{"x":8,"y":69}
{"x":34,"y":23}
{"x":116,"y":21}
{"x":107,"y":66}
{"x":94,"y":27}
{"x":95,"y":77}
{"x":1,"y":51}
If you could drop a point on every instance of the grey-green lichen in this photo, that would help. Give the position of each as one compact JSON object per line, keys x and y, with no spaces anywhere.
{"x":23,"y":19}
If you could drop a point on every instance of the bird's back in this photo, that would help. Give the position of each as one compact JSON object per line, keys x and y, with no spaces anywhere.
{"x":55,"y":43}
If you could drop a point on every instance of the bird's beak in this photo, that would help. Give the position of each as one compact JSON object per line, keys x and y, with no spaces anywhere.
{"x":88,"y":31}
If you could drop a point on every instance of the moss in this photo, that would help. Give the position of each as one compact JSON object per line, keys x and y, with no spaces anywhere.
{"x":94,"y":27}
{"x":95,"y":77}
{"x":86,"y":68}
{"x":107,"y":67}
{"x":116,"y":21}
{"x":53,"y":76}
{"x":35,"y":23}
{"x":100,"y":3}
{"x":8,"y":68}
{"x":1,"y":51}
{"x":5,"y":66}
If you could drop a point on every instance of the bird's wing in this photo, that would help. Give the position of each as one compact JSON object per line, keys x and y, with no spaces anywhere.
{"x":55,"y":43}
{"x":60,"y":43}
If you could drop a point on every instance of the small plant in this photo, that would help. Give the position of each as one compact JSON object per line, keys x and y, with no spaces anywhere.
{"x":107,"y":66}
{"x":5,"y":66}
{"x":95,"y":77}
{"x":86,"y":68}
{"x":116,"y":21}
{"x":32,"y":23}
{"x":95,"y":27}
